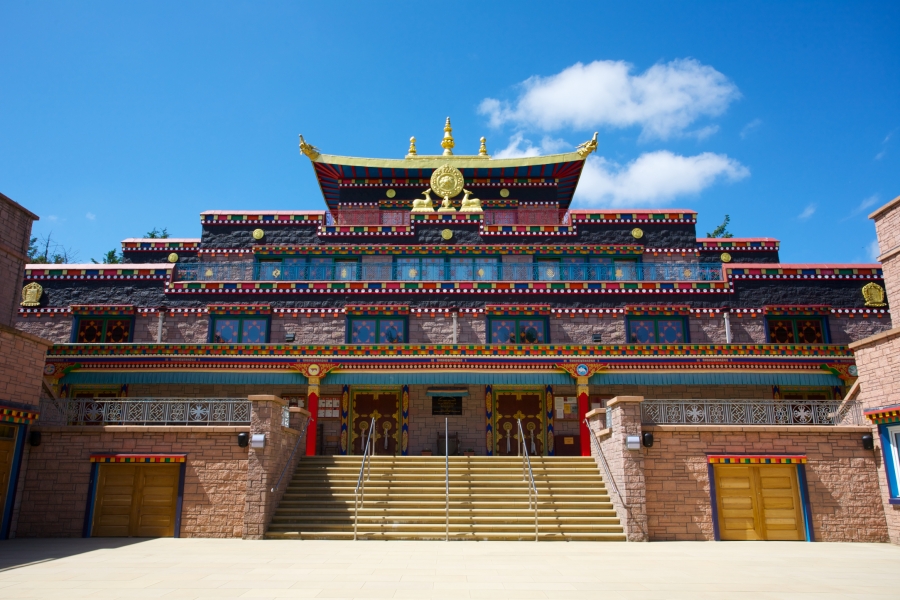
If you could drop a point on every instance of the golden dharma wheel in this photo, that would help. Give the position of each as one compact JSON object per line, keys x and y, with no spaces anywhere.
{"x":446,"y":234}
{"x":504,"y":193}
{"x":173,"y":258}
{"x":390,"y":193}
{"x":637,"y":233}
{"x":726,"y":258}
{"x":258,"y":234}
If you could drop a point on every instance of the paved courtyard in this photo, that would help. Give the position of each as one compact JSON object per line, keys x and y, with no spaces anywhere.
{"x":196,"y":568}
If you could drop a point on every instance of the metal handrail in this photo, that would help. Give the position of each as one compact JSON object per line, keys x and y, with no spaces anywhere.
{"x":750,"y":412}
{"x":145,"y":411}
{"x":360,"y":491}
{"x":446,"y":480}
{"x":297,"y":445}
{"x":596,"y":445}
{"x":528,"y":475}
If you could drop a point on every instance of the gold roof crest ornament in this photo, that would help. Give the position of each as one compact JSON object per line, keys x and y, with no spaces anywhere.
{"x":447,"y":182}
{"x":412,"y":146}
{"x":308,"y":149}
{"x":586,"y":148}
{"x":873,"y":294}
{"x":447,"y":143}
{"x":482,"y":150}
{"x":31,"y":294}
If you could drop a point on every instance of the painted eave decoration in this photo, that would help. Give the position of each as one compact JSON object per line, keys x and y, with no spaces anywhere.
{"x":884,"y":415}
{"x":10,"y":414}
{"x":138,"y":458}
{"x":108,"y":272}
{"x":757,"y":459}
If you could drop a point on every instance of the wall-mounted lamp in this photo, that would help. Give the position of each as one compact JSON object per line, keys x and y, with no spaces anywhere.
{"x":290,"y":336}
{"x":633,"y":442}
{"x":647,"y":438}
{"x":868,"y":442}
{"x":34,"y":438}
{"x":243,"y":439}
{"x":258,"y":441}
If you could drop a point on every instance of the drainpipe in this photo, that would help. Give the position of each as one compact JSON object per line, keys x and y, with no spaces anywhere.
{"x":159,"y":324}
{"x":727,"y":328}
{"x":454,"y":326}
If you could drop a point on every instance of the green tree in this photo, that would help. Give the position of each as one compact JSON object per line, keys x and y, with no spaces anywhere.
{"x":722,"y":230}
{"x":110,"y":258}
{"x":156,"y":234}
{"x":43,"y":250}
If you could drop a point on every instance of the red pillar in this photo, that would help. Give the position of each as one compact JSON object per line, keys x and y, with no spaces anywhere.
{"x":312,"y":405}
{"x":584,"y":432}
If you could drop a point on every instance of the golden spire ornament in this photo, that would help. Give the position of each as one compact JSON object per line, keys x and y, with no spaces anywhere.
{"x":482,"y":150}
{"x":412,"y":146}
{"x":447,"y":143}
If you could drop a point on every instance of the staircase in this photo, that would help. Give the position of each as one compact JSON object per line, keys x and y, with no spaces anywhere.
{"x":404,"y":500}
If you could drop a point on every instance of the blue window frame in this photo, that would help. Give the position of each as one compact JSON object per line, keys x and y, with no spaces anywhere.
{"x":376,"y":330}
{"x":518,"y":330}
{"x":890,"y":446}
{"x":239,"y":329}
{"x":657,"y":330}
{"x":797,"y":330}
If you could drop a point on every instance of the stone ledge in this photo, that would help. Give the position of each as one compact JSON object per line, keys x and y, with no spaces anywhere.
{"x":603,"y":432}
{"x":624,"y":399}
{"x":28,"y":336}
{"x":884,"y":208}
{"x":141,"y":428}
{"x":874,"y":339}
{"x":765,"y":428}
{"x":595,"y":413}
{"x":267,"y":398}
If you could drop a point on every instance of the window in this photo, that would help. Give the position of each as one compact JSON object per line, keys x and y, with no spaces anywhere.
{"x":890,"y":444}
{"x":376,"y":330}
{"x":103,"y":330}
{"x":236,"y":329}
{"x":797,"y":330}
{"x":518,"y":330}
{"x":657,"y":330}
{"x":452,"y":269}
{"x":308,"y":269}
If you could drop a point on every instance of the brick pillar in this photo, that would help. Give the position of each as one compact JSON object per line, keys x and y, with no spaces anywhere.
{"x":265,"y":465}
{"x":622,"y":418}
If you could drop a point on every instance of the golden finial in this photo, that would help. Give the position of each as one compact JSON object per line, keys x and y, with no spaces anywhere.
{"x":586,"y":148}
{"x":308,"y":149}
{"x":412,"y":146}
{"x":447,"y":143}
{"x":482,"y":151}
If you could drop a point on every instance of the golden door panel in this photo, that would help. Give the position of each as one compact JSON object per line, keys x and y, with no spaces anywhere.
{"x":759,"y":502}
{"x":511,"y":405}
{"x":384,"y":405}
{"x":135,"y":500}
{"x":7,"y":452}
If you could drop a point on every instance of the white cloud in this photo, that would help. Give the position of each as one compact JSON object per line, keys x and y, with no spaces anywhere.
{"x":664,"y":100}
{"x":874,"y":251}
{"x":91,"y":216}
{"x":863,"y":205}
{"x":809,"y":211}
{"x":653,"y":179}
{"x":52,"y":218}
{"x":519,"y":147}
{"x":750,"y":128}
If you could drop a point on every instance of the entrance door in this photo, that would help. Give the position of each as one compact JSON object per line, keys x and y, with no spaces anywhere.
{"x":7,"y":452}
{"x":136,"y":500}
{"x":510,"y":405}
{"x":759,"y":502}
{"x":384,"y":405}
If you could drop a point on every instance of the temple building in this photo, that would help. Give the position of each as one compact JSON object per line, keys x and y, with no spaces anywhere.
{"x":451,"y":303}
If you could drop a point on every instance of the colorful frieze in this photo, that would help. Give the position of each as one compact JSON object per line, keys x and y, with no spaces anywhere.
{"x":802,"y":272}
{"x":274,"y":218}
{"x":802,"y":310}
{"x":239,"y":309}
{"x":884,"y":415}
{"x":657,"y":310}
{"x":100,"y":272}
{"x":741,"y":244}
{"x":528,"y":230}
{"x":579,"y":216}
{"x":157,"y":245}
{"x":383,"y":310}
{"x":356,"y":230}
{"x":17,"y":415}
{"x":462,"y":250}
{"x":105,"y":310}
{"x":138,"y":458}
{"x":756,"y":459}
{"x":523,"y":310}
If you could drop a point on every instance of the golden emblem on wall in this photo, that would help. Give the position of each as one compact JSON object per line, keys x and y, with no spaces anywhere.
{"x":874,"y":294}
{"x":637,"y":233}
{"x":31,"y":294}
{"x":173,"y":258}
{"x":258,"y":234}
{"x":726,"y":258}
{"x":447,"y":181}
{"x":390,"y":193}
{"x":504,"y":193}
{"x":447,"y":234}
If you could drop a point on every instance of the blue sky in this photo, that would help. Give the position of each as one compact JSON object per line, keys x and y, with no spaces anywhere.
{"x":117,"y":117}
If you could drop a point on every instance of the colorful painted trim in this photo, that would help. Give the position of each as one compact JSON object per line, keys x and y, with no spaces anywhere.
{"x":49,"y":310}
{"x":105,"y":310}
{"x":707,"y":311}
{"x":35,"y":272}
{"x":377,"y":310}
{"x":355,"y":230}
{"x":435,"y":218}
{"x":138,"y":458}
{"x":671,"y":251}
{"x":810,"y":310}
{"x":283,"y":312}
{"x":149,"y":245}
{"x":732,"y":244}
{"x":600,"y":312}
{"x":275,"y":218}
{"x":660,"y":310}
{"x":17,"y":415}
{"x":528,"y":230}
{"x":507,"y":310}
{"x":440,"y":311}
{"x":224,"y":251}
{"x":883,"y":415}
{"x":641,"y":217}
{"x":463,"y":250}
{"x":465,"y":287}
{"x":758,"y":459}
{"x":864,"y":312}
{"x":239,"y":309}
{"x":744,"y":272}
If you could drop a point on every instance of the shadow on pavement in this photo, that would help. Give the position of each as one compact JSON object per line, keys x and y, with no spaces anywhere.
{"x":17,"y":553}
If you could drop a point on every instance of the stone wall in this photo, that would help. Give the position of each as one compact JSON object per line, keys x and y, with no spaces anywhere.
{"x":21,"y":365}
{"x":425,"y":329}
{"x":310,"y":329}
{"x":707,"y":329}
{"x":846,"y":329}
{"x":887,"y":227}
{"x":15,"y":237}
{"x":56,"y":328}
{"x":576,"y":328}
{"x":423,"y":427}
{"x":54,"y":497}
{"x":842,"y":478}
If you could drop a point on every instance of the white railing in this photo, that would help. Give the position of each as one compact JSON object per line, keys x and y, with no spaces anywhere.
{"x":359,"y":494}
{"x":528,"y":476}
{"x":145,"y":411}
{"x":750,"y":412}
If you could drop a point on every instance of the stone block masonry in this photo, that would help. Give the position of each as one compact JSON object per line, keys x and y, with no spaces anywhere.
{"x":21,"y":365}
{"x":15,"y":237}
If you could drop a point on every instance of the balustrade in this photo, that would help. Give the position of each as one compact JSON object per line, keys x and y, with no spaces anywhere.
{"x":750,"y":412}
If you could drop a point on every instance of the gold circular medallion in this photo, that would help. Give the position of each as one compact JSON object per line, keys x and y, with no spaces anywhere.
{"x":390,"y":193}
{"x":276,"y":273}
{"x":413,"y":272}
{"x":446,"y":234}
{"x":504,"y":193}
{"x":258,"y":234}
{"x":725,"y":257}
{"x":637,"y":233}
{"x":173,"y":258}
{"x":313,"y":370}
{"x":447,"y":181}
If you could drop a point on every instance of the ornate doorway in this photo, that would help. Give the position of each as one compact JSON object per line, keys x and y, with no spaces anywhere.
{"x":511,"y":404}
{"x":384,"y":405}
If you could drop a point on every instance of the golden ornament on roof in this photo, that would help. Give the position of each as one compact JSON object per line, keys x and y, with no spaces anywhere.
{"x":873,"y":294}
{"x":726,"y":258}
{"x":504,"y":193}
{"x":447,"y":143}
{"x":31,"y":294}
{"x":173,"y":258}
{"x":447,"y":234}
{"x":447,"y":181}
{"x":423,"y":204}
{"x":258,"y":234}
{"x":482,"y":150}
{"x":412,"y":146}
{"x":308,"y":149}
{"x":586,"y":148}
{"x":469,"y":204}
{"x":390,"y":193}
{"x":637,"y":233}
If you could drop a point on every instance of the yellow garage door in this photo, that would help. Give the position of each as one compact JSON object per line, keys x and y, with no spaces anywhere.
{"x":136,"y":500}
{"x":759,"y":502}
{"x":7,"y":452}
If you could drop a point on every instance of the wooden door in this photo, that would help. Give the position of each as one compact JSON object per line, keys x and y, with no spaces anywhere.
{"x":511,"y":405}
{"x":384,"y":405}
{"x":7,"y":452}
{"x":136,"y":500}
{"x":759,"y":502}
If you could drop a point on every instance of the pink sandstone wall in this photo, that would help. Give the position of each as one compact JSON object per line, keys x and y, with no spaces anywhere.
{"x":887,"y":227}
{"x":15,"y":237}
{"x":21,"y":365}
{"x":842,"y":478}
